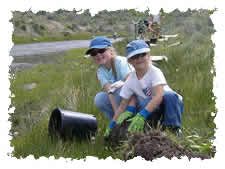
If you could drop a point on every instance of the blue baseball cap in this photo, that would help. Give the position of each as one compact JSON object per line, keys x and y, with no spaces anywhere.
{"x":99,"y":42}
{"x":136,"y":47}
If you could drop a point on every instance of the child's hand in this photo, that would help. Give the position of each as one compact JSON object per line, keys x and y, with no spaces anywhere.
{"x":124,"y":116}
{"x":137,"y":124}
{"x":112,"y":124}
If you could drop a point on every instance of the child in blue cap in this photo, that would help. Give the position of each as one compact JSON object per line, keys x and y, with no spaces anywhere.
{"x":152,"y":92}
{"x":112,"y":71}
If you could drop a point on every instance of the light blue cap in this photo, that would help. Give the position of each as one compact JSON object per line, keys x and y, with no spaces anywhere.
{"x":136,"y":47}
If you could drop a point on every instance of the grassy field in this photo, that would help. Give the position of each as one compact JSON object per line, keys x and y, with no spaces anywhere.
{"x":46,"y":38}
{"x":70,"y":83}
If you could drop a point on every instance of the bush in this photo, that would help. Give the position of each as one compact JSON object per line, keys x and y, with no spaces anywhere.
{"x":23,"y":27}
{"x":41,"y":13}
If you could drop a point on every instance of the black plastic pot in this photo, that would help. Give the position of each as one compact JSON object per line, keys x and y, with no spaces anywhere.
{"x":67,"y":124}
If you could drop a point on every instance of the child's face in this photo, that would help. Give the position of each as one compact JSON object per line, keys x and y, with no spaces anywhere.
{"x":101,"y":56}
{"x":140,"y":61}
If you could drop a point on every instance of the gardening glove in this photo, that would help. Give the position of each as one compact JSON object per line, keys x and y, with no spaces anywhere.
{"x":109,"y":128}
{"x":130,"y":111}
{"x":137,"y":122}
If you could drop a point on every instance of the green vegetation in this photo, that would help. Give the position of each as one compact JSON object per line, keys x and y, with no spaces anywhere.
{"x":65,"y":84}
{"x":71,"y":25}
{"x":70,"y":83}
{"x":46,"y":38}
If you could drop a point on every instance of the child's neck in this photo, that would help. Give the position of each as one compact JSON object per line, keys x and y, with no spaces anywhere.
{"x":109,"y":64}
{"x":141,"y":72}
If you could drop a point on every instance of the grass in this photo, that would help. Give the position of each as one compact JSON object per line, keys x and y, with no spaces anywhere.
{"x":60,"y":37}
{"x":46,"y":38}
{"x":42,"y":144}
{"x":70,"y":83}
{"x":57,"y":86}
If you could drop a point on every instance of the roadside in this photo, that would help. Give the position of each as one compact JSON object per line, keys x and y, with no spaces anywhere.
{"x":21,"y":63}
{"x":28,"y":55}
{"x":49,"y":47}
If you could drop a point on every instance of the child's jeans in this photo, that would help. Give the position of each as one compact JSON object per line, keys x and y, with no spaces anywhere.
{"x":170,"y":109}
{"x":102,"y":102}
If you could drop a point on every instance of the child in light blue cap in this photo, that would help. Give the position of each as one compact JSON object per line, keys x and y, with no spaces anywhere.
{"x":112,"y":71}
{"x":153,"y":94}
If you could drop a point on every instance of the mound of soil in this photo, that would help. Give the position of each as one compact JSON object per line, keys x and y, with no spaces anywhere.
{"x":155,"y":145}
{"x":150,"y":145}
{"x":119,"y":133}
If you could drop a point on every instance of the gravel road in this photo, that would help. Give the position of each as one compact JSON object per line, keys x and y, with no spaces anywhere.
{"x":28,"y":55}
{"x":49,"y":47}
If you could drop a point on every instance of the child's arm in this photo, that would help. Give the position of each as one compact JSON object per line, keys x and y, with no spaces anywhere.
{"x":121,"y":108}
{"x":113,"y":102}
{"x":156,"y":98}
{"x":110,"y":89}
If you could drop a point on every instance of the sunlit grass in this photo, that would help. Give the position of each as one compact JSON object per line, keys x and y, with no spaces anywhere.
{"x":46,"y":38}
{"x":70,"y":83}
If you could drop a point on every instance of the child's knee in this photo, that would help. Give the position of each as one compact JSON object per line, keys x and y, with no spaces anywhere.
{"x":169,"y":95}
{"x":172,"y":100}
{"x":100,"y":99}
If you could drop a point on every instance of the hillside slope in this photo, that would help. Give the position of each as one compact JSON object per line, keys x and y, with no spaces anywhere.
{"x":65,"y":25}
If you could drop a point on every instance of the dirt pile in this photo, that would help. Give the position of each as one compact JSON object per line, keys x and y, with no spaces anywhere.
{"x":154,"y":145}
{"x":118,"y":134}
{"x":150,"y":145}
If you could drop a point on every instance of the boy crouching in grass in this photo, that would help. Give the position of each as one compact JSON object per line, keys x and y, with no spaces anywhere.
{"x":153,"y":95}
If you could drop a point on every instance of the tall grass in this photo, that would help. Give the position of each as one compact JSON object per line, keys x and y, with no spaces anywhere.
{"x":71,"y":83}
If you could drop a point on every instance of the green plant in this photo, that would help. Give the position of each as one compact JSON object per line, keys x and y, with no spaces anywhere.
{"x":71,"y":84}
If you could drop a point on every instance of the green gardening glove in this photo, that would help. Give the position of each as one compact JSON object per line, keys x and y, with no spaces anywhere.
{"x":137,"y":124}
{"x":130,"y":111}
{"x":123,"y":116}
{"x":112,"y":124}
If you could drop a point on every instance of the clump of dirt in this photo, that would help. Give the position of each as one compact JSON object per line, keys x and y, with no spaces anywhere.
{"x":118,"y":134}
{"x":150,"y":145}
{"x":154,"y":145}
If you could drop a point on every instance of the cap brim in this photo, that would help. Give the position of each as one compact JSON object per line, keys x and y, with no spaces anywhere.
{"x":139,"y":51}
{"x":95,"y":47}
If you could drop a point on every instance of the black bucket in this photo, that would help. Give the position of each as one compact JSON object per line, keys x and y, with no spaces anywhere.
{"x":67,"y":124}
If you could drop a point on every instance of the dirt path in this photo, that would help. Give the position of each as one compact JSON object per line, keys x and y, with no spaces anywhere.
{"x":26,"y":56}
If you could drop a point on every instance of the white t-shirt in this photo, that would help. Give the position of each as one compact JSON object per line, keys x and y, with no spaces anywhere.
{"x":143,"y":87}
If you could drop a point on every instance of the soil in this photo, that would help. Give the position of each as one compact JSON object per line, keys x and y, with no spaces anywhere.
{"x":155,"y":145}
{"x":118,"y":134}
{"x":149,"y":145}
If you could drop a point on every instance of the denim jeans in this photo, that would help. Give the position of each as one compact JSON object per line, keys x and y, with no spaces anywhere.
{"x":170,"y":109}
{"x":102,"y":102}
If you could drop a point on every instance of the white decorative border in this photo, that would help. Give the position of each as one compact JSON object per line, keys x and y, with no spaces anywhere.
{"x":6,"y":29}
